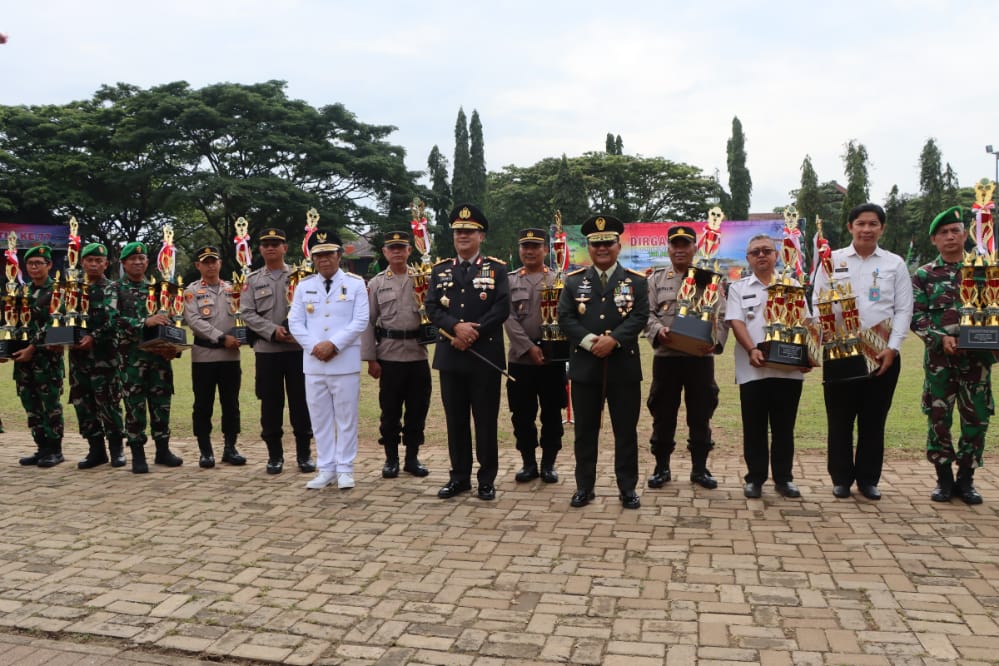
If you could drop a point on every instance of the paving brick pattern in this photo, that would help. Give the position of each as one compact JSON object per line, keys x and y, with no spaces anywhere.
{"x":230,"y":564}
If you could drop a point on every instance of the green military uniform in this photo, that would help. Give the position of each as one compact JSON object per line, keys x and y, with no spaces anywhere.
{"x":39,"y":381}
{"x":147,"y":378}
{"x":94,"y":384}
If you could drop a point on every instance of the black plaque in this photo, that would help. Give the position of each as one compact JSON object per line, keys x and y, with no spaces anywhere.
{"x":978,"y":337}
{"x":10,"y":347}
{"x":555,"y":351}
{"x":164,"y":337}
{"x":241,"y":334}
{"x":784,"y":355}
{"x":428,"y":334}
{"x":691,"y":335}
{"x":844,"y":369}
{"x":63,"y":336}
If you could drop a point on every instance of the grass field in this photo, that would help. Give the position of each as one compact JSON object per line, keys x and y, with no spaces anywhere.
{"x":905,"y":432}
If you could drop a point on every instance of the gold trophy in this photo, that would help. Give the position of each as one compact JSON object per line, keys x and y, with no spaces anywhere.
{"x":693,"y":328}
{"x":978,"y":327}
{"x":67,"y":325}
{"x":244,"y":257}
{"x":787,"y":344}
{"x":420,"y":274}
{"x":304,"y":269}
{"x":169,"y":301}
{"x":11,"y":333}
{"x":554,"y":343}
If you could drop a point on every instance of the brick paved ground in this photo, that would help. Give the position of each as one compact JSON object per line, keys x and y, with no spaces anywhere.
{"x":230,"y":564}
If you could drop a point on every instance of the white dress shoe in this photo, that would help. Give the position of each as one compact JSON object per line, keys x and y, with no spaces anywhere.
{"x":322,"y":480}
{"x":345,"y":480}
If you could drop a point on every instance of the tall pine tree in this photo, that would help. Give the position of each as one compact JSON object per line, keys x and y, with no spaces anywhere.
{"x":477,"y":161}
{"x":809,"y":200}
{"x":440,"y":196}
{"x":740,"y":185}
{"x":931,"y":182}
{"x":858,"y":183}
{"x":461,"y":183}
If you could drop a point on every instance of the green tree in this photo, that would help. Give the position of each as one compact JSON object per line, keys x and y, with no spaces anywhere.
{"x":461,"y":181}
{"x":931,"y":183}
{"x":477,"y":160}
{"x":613,"y":145}
{"x":439,"y":199}
{"x":857,"y":180}
{"x":569,"y":194}
{"x":809,"y":200}
{"x":740,"y":184}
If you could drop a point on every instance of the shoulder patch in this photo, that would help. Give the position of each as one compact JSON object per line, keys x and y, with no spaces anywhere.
{"x":355,"y":276}
{"x":633,"y":272}
{"x":496,"y":259}
{"x":576,"y":272}
{"x":308,"y":277}
{"x":441,"y":261}
{"x":256,"y":272}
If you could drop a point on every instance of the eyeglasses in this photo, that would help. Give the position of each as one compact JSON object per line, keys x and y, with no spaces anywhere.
{"x":761,"y":252}
{"x":601,"y":243}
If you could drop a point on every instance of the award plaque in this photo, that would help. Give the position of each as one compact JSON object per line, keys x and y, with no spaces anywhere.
{"x":693,"y":327}
{"x":169,"y":302}
{"x":70,"y":302}
{"x":244,"y":257}
{"x":420,"y":274}
{"x":978,"y":327}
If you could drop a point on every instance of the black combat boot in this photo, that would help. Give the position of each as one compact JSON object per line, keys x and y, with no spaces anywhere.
{"x":390,"y":469}
{"x":275,"y":457}
{"x":965,"y":486}
{"x":230,"y":454}
{"x":116,"y":450}
{"x":699,"y":472}
{"x":661,"y":475}
{"x":139,"y":465}
{"x":164,"y":456}
{"x":303,"y":449}
{"x":529,"y":471}
{"x":95,"y":456}
{"x":53,"y":454}
{"x":207,"y":459}
{"x":33,"y":458}
{"x":945,"y":483}
{"x":413,"y":464}
{"x":548,"y":473}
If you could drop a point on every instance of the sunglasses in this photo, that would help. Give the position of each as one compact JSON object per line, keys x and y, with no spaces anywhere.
{"x":601,"y":243}
{"x":761,"y":252}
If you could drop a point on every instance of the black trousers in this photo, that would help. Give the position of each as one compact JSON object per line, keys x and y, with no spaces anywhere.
{"x":694,"y":377}
{"x":866,"y":402}
{"x":403,"y":384}
{"x":537,"y":385}
{"x":769,"y":402}
{"x":278,"y":373}
{"x":474,"y":393}
{"x":206,"y":379}
{"x":624,"y":403}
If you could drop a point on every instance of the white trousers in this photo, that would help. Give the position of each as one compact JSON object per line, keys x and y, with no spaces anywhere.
{"x":333,"y":404}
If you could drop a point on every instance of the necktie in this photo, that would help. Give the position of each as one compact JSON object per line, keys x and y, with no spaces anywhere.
{"x":464,"y":268}
{"x":603,"y":278}
{"x":328,"y":282}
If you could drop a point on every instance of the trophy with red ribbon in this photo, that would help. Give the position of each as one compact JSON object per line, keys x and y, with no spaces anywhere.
{"x":554,"y":343}
{"x":13,"y":336}
{"x":244,"y":257}
{"x":842,"y":353}
{"x":979,"y":291}
{"x":420,"y":274}
{"x":303,"y":269}
{"x":693,"y":330}
{"x":67,"y":318}
{"x":166,"y":298}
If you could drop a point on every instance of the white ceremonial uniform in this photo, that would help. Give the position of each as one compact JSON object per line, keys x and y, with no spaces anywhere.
{"x":332,"y":388}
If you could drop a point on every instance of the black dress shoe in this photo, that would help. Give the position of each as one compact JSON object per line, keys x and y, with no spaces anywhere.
{"x":704,"y":479}
{"x":629,"y":500}
{"x":452,"y":488}
{"x":753,"y":490}
{"x":275,"y":466}
{"x":841,"y":491}
{"x":787,"y":489}
{"x":306,"y":465}
{"x":204,"y":462}
{"x":870,"y":492}
{"x":232,"y":456}
{"x":582,"y":498}
{"x":548,"y":474}
{"x":487,"y":493}
{"x":527,"y":473}
{"x":660,"y":477}
{"x":390,"y":469}
{"x":416,"y":468}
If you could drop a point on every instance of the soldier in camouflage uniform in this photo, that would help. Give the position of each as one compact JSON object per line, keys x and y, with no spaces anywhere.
{"x":952,"y":375}
{"x":147,"y":377}
{"x":94,"y":385}
{"x":39,"y":371}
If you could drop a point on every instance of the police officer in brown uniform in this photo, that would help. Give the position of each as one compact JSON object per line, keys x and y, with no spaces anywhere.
{"x":396,"y":358}
{"x":214,"y":357}
{"x":537,"y":383}
{"x":264,"y":307}
{"x":675,"y":372}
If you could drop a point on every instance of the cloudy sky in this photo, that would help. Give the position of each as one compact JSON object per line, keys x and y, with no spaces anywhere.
{"x":554,"y":77}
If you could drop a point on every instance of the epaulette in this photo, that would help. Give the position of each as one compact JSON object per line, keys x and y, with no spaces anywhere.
{"x":354,"y":275}
{"x":441,"y":261}
{"x":252,"y":273}
{"x":496,"y":259}
{"x":308,"y":277}
{"x":575,"y":272}
{"x":658,"y":269}
{"x":634,"y":272}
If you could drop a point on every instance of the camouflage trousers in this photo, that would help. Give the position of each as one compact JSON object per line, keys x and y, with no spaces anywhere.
{"x":147,"y":382}
{"x":39,"y":386}
{"x":95,"y":393}
{"x":966,"y":382}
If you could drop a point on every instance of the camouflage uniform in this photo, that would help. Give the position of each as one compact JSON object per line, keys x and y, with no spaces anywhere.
{"x":964,"y":378}
{"x":39,"y":381}
{"x":94,"y":384}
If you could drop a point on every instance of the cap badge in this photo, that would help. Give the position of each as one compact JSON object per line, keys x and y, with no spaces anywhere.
{"x":321,"y":237}
{"x":465,"y":213}
{"x":601,"y":223}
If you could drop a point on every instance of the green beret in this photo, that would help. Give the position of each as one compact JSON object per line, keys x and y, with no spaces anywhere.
{"x":94,"y":248}
{"x":134,"y":247}
{"x":949,"y":216}
{"x":43,"y":251}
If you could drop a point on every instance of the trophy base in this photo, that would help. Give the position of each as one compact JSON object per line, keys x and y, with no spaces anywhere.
{"x":428,"y":334}
{"x":555,"y":351}
{"x":691,"y":335}
{"x":978,"y":337}
{"x":10,"y":347}
{"x":844,"y":369}
{"x":241,"y":333}
{"x":63,"y":336}
{"x":164,"y":337}
{"x":784,"y":355}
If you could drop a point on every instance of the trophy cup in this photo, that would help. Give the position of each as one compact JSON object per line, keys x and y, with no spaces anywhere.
{"x":420,"y":274}
{"x":244,"y":257}
{"x":978,"y":327}
{"x":693,"y":328}
{"x":169,"y":302}
{"x":66,"y":324}
{"x":10,"y":341}
{"x":554,"y":343}
{"x":303,"y":269}
{"x":788,"y":343}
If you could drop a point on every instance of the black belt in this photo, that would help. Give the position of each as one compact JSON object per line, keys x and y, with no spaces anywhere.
{"x":201,"y":342}
{"x":393,"y":334}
